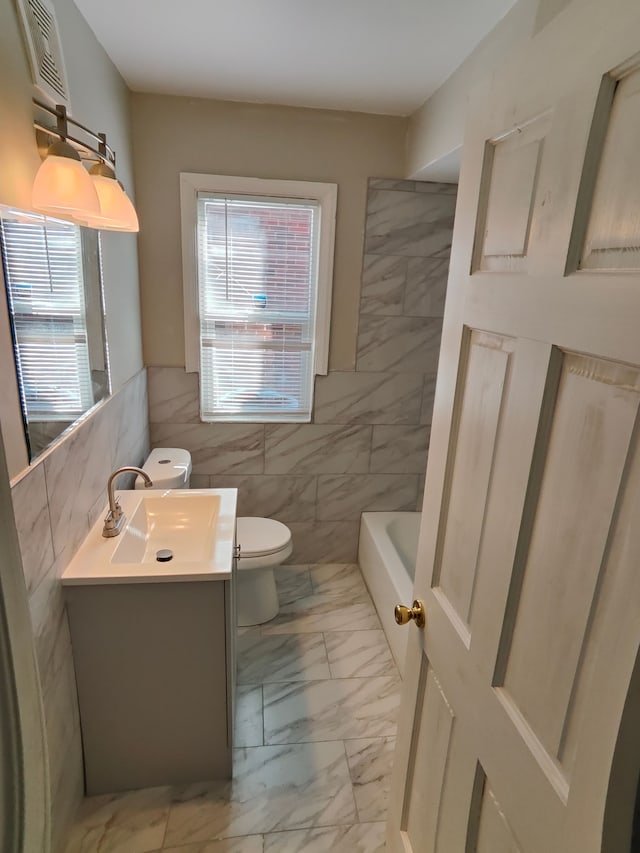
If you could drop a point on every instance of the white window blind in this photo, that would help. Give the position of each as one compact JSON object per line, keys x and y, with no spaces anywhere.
{"x":44,"y":277}
{"x":257,"y":282}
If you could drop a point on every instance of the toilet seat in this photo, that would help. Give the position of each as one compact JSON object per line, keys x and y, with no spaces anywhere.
{"x":261,"y":537}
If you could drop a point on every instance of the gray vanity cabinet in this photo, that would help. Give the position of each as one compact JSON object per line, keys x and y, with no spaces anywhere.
{"x":155,"y":669}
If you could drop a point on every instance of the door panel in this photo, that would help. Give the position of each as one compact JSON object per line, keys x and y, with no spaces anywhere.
{"x":487,"y":363}
{"x":595,"y":412}
{"x":613,"y":236}
{"x":511,"y":728}
{"x":435,"y":728}
{"x":510,"y":187}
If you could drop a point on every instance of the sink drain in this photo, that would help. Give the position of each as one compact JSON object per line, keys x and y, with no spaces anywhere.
{"x":164,"y":555}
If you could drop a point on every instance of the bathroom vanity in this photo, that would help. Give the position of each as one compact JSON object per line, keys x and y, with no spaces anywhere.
{"x":153,"y":642}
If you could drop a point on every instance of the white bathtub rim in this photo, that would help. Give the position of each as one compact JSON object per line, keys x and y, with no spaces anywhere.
{"x":386,"y":577}
{"x":376,"y":523}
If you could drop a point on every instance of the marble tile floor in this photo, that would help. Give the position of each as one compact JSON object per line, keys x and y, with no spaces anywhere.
{"x":317,"y":699}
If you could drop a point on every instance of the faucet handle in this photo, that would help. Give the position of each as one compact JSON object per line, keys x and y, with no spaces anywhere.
{"x":115,"y":514}
{"x":114,"y":520}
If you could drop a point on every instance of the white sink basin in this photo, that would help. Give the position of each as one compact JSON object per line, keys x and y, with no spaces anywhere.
{"x":184,"y":525}
{"x":197,"y":527}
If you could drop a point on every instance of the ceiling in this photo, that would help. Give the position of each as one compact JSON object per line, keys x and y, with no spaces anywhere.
{"x":378,"y":56}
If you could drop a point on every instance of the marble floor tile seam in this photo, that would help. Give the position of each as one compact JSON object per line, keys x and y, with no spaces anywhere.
{"x":338,"y":838}
{"x":220,"y":839}
{"x":326,"y":651}
{"x":360,"y":595}
{"x":245,"y":680}
{"x":338,"y":709}
{"x":332,"y":666}
{"x":268,"y":840}
{"x":192,"y":846}
{"x":262,"y":716}
{"x":309,"y":681}
{"x":166,"y":823}
{"x":264,"y":628}
{"x":204,"y":846}
{"x":350,"y":664}
{"x":266,"y":659}
{"x":265,"y":683}
{"x":343,"y":740}
{"x":312,"y":610}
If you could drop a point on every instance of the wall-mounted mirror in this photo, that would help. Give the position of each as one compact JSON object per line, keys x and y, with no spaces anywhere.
{"x":53,"y":282}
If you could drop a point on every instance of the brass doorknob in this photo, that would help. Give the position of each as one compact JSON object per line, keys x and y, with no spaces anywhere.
{"x":410,"y":614}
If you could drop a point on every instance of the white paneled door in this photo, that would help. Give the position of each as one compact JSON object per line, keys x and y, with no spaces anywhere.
{"x":520,"y":726}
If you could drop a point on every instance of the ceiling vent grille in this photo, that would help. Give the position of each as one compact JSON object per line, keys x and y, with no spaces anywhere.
{"x":45,"y":49}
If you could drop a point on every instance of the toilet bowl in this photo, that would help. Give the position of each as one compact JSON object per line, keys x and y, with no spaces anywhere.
{"x":263,"y":543}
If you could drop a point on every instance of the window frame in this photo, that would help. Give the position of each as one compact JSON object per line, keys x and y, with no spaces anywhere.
{"x":325,"y":194}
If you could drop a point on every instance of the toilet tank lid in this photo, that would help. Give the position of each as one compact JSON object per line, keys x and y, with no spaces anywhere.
{"x":168,"y":467}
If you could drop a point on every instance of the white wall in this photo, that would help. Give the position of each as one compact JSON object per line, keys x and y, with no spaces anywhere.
{"x":100,"y":100}
{"x":436,"y":130}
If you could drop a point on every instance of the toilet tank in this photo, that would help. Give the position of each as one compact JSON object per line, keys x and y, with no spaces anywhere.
{"x":168,"y":467}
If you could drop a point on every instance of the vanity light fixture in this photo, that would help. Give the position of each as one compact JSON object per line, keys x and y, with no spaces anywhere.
{"x":65,"y":189}
{"x":62,"y":186}
{"x":117,"y":213}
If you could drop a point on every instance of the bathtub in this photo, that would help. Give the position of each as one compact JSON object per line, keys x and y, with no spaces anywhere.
{"x":387,"y":557}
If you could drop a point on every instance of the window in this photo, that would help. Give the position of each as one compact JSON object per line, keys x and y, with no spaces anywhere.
{"x":43,"y":266}
{"x":258,"y":259}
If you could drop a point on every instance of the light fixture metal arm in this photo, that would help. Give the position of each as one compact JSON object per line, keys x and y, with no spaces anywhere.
{"x":100,"y":150}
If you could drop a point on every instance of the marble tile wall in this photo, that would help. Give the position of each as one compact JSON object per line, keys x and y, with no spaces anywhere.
{"x":366,"y":447}
{"x":55,"y":503}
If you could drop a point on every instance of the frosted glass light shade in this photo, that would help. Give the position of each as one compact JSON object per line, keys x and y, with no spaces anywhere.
{"x":117,"y":213}
{"x":63,"y":187}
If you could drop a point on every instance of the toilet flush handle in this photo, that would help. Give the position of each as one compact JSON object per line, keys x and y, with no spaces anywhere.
{"x":236,"y":552}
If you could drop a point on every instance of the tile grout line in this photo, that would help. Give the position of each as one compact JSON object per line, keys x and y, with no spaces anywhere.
{"x":353,"y":793}
{"x":166,"y":826}
{"x":315,"y":680}
{"x":342,"y":740}
{"x":326,"y":651}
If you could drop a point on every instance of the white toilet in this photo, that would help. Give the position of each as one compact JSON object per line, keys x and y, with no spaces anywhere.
{"x":264,"y":543}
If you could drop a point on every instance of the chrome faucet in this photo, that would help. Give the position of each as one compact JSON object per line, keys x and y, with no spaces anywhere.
{"x":115,"y":518}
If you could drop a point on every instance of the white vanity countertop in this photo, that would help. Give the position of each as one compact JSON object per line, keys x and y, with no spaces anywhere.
{"x":129,"y":557}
